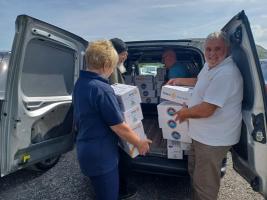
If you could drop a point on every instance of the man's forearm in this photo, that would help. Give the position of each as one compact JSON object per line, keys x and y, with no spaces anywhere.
{"x":187,"y":81}
{"x":201,"y":110}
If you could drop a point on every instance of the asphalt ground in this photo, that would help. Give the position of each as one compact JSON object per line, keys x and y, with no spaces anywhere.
{"x":65,"y":182}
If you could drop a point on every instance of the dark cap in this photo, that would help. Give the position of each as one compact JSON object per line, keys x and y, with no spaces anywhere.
{"x":119,"y":45}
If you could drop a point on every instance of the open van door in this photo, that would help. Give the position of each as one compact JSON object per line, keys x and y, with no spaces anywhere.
{"x":249,"y":155}
{"x":36,"y":120}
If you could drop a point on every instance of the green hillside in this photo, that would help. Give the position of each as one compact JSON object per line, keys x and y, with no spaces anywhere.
{"x":262,"y":53}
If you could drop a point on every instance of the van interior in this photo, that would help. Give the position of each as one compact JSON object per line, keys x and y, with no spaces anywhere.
{"x":142,"y":60}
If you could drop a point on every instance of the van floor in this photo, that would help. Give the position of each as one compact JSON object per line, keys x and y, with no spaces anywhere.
{"x":154,"y":133}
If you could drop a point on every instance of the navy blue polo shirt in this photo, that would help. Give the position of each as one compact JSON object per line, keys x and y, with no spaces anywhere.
{"x":95,"y":110}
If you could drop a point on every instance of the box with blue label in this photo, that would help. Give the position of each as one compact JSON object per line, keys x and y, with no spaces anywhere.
{"x":133,"y":115}
{"x":148,"y":93}
{"x":176,"y":94}
{"x":145,"y":85}
{"x":130,"y":149}
{"x":154,"y":100}
{"x":173,"y":130}
{"x":128,"y":96}
{"x":166,"y":111}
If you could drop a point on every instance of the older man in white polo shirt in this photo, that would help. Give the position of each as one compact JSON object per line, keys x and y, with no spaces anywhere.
{"x":214,"y":115}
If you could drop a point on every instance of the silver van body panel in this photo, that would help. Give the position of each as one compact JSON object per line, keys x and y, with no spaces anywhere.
{"x":4,"y":60}
{"x":43,"y":68}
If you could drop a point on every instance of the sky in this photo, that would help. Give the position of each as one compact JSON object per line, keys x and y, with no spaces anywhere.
{"x":133,"y":20}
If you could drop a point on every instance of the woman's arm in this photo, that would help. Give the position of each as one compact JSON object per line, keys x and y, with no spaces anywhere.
{"x":125,"y":132}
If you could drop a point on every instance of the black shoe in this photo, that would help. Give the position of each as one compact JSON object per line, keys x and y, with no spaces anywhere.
{"x":127,"y":193}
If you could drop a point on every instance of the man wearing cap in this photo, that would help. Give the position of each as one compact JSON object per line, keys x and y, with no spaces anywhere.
{"x":121,"y":48}
{"x":125,"y":190}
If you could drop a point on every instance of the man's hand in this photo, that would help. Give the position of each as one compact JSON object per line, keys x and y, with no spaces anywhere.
{"x":182,"y":81}
{"x":174,"y":81}
{"x":182,"y":114}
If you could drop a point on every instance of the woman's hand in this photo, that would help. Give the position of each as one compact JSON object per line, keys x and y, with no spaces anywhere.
{"x":143,"y":146}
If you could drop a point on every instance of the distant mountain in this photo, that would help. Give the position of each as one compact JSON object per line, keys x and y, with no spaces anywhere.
{"x":262,"y":53}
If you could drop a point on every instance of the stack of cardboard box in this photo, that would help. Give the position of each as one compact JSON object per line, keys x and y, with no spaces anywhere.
{"x":148,"y":85}
{"x":145,"y":84}
{"x":160,"y":79}
{"x":176,"y":133}
{"x":129,"y":100}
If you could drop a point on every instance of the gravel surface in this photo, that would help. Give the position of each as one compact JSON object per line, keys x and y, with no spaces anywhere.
{"x":65,"y":182}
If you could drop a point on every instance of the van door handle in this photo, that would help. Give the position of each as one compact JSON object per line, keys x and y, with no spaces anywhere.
{"x":34,"y":104}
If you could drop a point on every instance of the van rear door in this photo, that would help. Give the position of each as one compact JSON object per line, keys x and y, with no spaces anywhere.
{"x":37,"y":113}
{"x":248,"y":155}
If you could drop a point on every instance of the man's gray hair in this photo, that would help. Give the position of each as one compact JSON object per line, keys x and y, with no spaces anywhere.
{"x":219,"y":35}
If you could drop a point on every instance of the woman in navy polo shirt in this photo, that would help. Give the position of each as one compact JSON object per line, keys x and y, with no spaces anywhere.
{"x":99,"y":121}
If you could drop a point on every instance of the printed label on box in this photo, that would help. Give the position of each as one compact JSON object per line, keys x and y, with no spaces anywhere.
{"x":176,"y":94}
{"x":173,"y":130}
{"x":174,"y":150}
{"x":133,"y":115}
{"x":128,"y":96}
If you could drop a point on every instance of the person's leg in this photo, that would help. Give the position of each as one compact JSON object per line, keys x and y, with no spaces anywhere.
{"x":191,"y":166}
{"x":107,"y":185}
{"x":207,"y":171}
{"x":126,"y":190}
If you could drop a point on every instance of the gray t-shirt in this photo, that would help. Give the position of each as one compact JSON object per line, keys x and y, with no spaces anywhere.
{"x":221,"y":86}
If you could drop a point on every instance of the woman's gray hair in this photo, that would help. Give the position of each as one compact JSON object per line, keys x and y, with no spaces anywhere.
{"x":219,"y":35}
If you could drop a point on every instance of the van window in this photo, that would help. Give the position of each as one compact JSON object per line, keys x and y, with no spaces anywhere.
{"x":149,"y":68}
{"x":48,"y":69}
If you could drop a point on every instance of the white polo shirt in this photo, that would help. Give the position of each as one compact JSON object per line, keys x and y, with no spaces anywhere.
{"x":221,"y":86}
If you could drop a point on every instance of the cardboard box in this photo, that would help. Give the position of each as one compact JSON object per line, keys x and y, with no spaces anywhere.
{"x":161,"y":73}
{"x":148,"y":93}
{"x":166,"y":111}
{"x":144,"y":78}
{"x":176,"y":94}
{"x":154,"y":100}
{"x":133,"y":115}
{"x":130,"y":149}
{"x":128,"y":96}
{"x":173,"y":130}
{"x":145,"y":85}
{"x":174,"y":150}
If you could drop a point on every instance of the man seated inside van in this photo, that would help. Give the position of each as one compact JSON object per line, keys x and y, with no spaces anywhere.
{"x":174,"y":68}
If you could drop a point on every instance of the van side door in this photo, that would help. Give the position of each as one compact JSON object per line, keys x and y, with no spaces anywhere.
{"x":37,"y":113}
{"x":248,"y":155}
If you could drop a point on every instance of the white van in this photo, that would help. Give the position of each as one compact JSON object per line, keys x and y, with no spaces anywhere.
{"x":36,"y":112}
